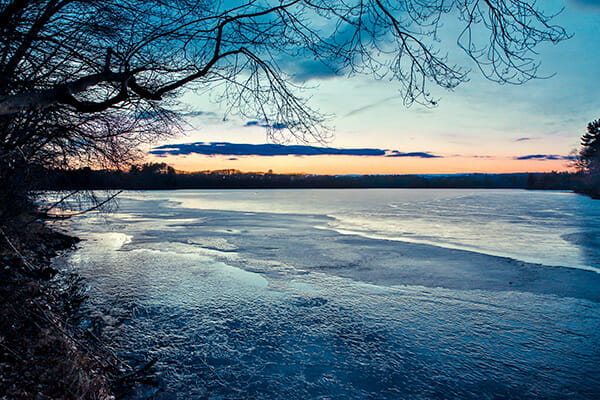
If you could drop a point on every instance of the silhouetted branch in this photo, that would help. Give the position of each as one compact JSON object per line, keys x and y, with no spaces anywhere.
{"x":92,"y":208}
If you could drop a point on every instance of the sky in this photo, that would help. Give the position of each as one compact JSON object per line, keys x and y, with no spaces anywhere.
{"x":480,"y":126}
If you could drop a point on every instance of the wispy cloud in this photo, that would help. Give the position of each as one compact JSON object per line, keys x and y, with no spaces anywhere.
{"x":187,"y":114}
{"x":198,"y":113}
{"x":276,"y":126}
{"x":525,"y":139}
{"x":305,"y":68}
{"x":269,"y":150}
{"x":419,"y":154}
{"x":544,"y":157}
{"x":372,"y":105}
{"x":592,"y":3}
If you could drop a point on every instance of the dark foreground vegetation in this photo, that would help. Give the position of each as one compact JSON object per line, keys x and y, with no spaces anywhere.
{"x":161,"y":176}
{"x":42,"y":354}
{"x":50,"y":345}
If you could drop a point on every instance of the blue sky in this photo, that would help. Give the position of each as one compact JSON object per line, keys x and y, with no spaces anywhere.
{"x":479,"y":127}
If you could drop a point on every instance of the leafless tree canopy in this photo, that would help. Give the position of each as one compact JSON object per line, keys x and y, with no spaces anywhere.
{"x":88,"y":80}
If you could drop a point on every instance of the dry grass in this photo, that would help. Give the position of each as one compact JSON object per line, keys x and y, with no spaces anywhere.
{"x":41,"y":357}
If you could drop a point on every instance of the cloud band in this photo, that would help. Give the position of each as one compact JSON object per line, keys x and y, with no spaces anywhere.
{"x":270,"y":150}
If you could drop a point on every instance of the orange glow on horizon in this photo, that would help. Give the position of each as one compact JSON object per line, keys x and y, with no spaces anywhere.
{"x":348,"y":165}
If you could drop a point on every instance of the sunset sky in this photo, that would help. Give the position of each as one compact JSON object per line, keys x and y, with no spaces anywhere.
{"x":479,"y":127}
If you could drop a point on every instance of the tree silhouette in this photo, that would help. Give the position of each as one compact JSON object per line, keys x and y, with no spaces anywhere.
{"x":84,"y":82}
{"x":589,"y":155}
{"x":588,"y":160}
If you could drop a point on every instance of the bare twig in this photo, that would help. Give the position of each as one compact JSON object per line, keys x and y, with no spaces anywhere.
{"x":61,"y":200}
{"x":95,"y":207}
{"x":12,"y":352}
{"x":17,"y":252}
{"x":136,"y":373}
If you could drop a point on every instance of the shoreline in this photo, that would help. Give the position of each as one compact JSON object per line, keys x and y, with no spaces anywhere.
{"x":43,"y":354}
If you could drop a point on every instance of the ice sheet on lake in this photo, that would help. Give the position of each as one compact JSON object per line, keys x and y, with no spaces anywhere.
{"x":250,"y":304}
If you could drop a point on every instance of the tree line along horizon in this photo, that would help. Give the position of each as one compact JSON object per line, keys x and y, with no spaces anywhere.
{"x":162,"y":176}
{"x":152,"y":175}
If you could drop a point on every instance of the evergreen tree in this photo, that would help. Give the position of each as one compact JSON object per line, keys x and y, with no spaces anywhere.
{"x":588,"y":160}
{"x":589,"y":156}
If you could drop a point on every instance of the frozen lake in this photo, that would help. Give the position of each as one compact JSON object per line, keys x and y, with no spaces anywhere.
{"x":333,"y":294}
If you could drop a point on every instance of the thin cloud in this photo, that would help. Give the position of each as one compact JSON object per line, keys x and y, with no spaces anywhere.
{"x":372,"y":105}
{"x":485,"y":157}
{"x":544,"y":157}
{"x":276,"y":126}
{"x":303,"y":69}
{"x":190,"y":114}
{"x":270,"y":150}
{"x":419,"y":154}
{"x":198,"y":114}
{"x":590,"y":3}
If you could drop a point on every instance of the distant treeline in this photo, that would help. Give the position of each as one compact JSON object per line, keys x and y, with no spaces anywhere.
{"x":161,"y":176}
